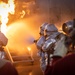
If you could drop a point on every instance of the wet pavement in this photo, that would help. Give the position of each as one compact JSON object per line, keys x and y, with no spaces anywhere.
{"x":27,"y":68}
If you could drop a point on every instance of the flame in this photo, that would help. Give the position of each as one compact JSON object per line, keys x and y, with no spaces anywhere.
{"x":28,"y":12}
{"x":29,"y":49}
{"x":5,"y":9}
{"x":23,"y":13}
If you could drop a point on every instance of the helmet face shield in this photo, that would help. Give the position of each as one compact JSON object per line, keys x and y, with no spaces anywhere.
{"x":48,"y":33}
{"x":41,"y":32}
{"x":67,"y":27}
{"x":42,"y":28}
{"x":49,"y":29}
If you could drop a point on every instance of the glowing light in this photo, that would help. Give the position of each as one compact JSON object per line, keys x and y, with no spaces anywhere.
{"x":23,"y":13}
{"x":29,"y":49}
{"x":5,"y":9}
{"x":30,"y":73}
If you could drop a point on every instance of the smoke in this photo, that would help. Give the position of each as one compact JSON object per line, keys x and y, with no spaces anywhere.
{"x":57,"y":11}
{"x":29,"y":40}
{"x":23,"y":32}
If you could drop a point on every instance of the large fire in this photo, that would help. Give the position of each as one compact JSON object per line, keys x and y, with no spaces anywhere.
{"x":5,"y":9}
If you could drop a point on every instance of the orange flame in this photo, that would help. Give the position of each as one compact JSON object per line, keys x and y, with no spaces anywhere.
{"x":29,"y":49}
{"x":22,"y":13}
{"x":5,"y":9}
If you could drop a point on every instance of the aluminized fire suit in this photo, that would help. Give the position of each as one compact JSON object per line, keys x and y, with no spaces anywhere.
{"x":39,"y":44}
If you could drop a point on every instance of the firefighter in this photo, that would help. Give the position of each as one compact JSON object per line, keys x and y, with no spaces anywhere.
{"x":6,"y":67}
{"x":3,"y":43}
{"x":39,"y":44}
{"x":54,"y":46}
{"x":65,"y":65}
